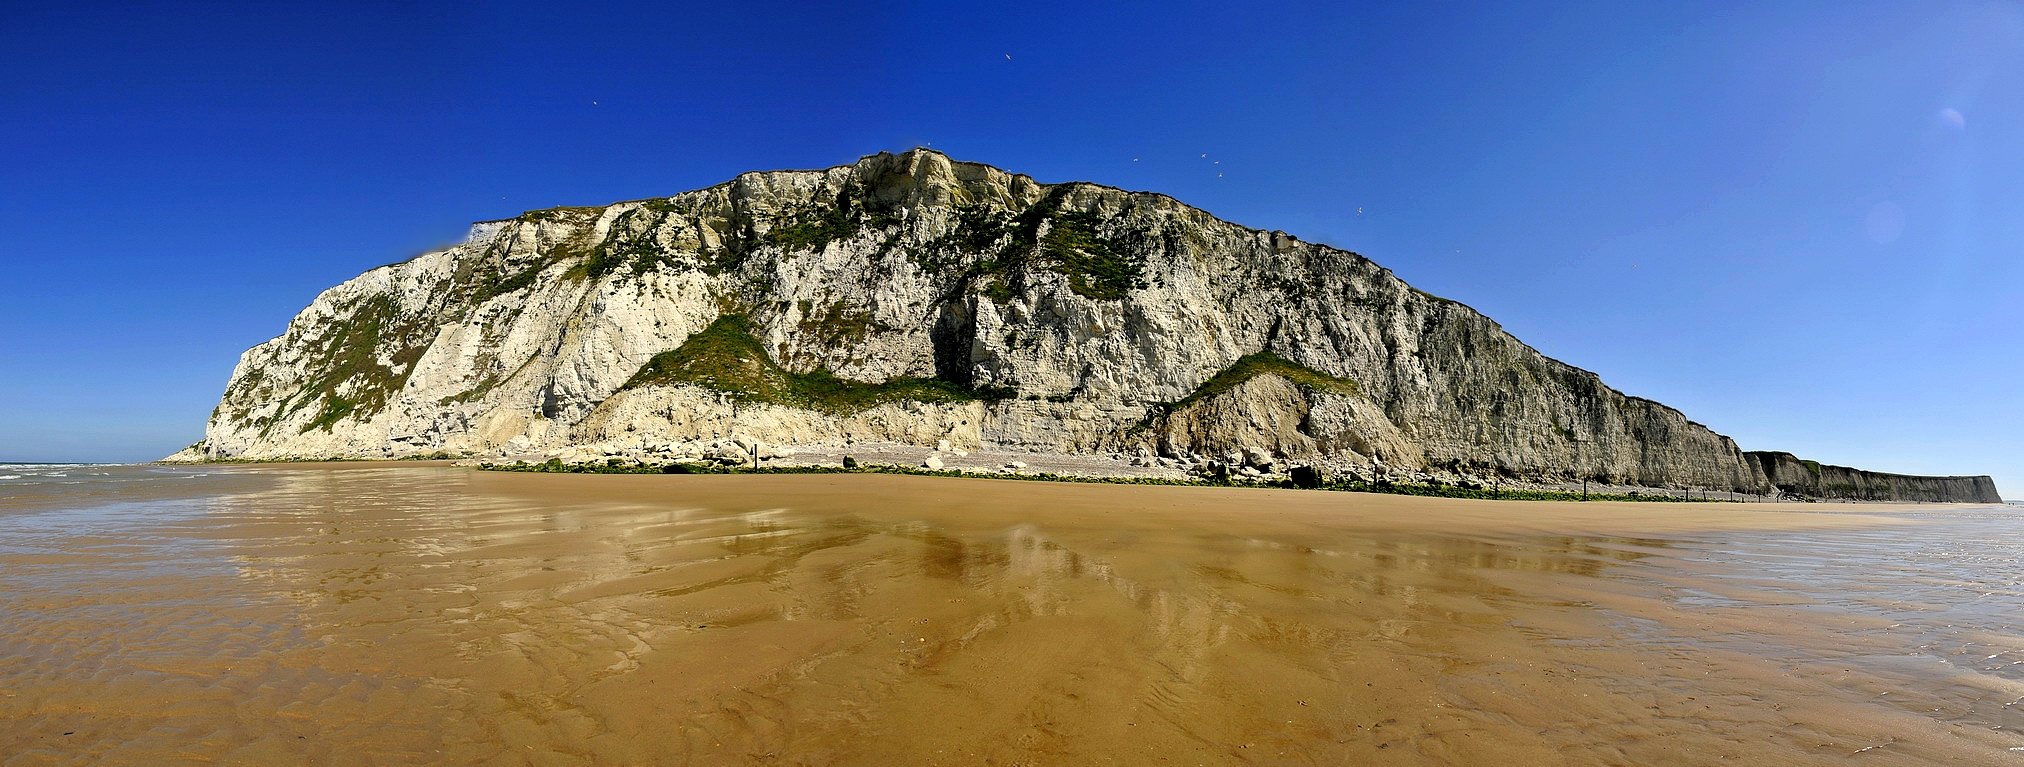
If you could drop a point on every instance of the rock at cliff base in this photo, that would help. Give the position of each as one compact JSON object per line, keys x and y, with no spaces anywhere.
{"x":1309,"y":477}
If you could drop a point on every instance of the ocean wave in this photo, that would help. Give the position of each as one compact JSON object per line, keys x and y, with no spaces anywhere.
{"x":10,"y":476}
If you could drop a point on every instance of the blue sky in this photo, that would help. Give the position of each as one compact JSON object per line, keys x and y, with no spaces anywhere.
{"x":1799,"y":223}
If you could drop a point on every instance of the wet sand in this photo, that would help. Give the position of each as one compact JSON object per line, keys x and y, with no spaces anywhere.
{"x":384,"y":615}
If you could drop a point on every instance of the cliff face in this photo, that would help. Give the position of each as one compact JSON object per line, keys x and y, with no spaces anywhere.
{"x":1793,"y":476}
{"x":912,"y":298}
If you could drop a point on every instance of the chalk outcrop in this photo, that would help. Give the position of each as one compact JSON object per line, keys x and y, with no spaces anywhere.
{"x":1792,"y":476}
{"x":910,"y":298}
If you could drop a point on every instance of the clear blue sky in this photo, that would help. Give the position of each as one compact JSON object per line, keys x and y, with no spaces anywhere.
{"x":1798,"y":222}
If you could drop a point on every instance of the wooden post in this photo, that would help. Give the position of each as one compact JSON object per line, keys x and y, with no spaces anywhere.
{"x":1584,"y":488}
{"x":755,"y":456}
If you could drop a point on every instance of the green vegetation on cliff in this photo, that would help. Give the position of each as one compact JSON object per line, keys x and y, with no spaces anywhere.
{"x":350,"y":382}
{"x":1096,"y":266}
{"x":1253,"y":365}
{"x":726,"y":357}
{"x":842,"y":220}
{"x":997,"y":243}
{"x":838,"y":325}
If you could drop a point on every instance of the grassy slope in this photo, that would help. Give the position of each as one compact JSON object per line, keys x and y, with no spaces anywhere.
{"x":1253,"y":365}
{"x":726,"y":357}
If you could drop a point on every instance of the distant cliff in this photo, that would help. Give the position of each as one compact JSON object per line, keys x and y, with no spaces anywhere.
{"x":1793,"y":476}
{"x":912,"y":298}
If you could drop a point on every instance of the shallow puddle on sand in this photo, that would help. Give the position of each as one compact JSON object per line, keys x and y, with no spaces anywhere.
{"x":427,"y":615}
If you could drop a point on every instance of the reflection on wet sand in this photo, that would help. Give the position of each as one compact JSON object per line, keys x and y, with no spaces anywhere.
{"x":434,"y":615}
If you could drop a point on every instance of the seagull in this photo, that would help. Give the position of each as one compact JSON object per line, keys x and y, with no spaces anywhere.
{"x":1008,"y":57}
{"x":1359,"y":210}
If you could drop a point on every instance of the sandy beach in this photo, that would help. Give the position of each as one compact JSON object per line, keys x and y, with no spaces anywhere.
{"x":376,"y":614}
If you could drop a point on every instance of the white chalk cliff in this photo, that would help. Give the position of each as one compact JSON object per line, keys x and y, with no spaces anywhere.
{"x":912,"y":298}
